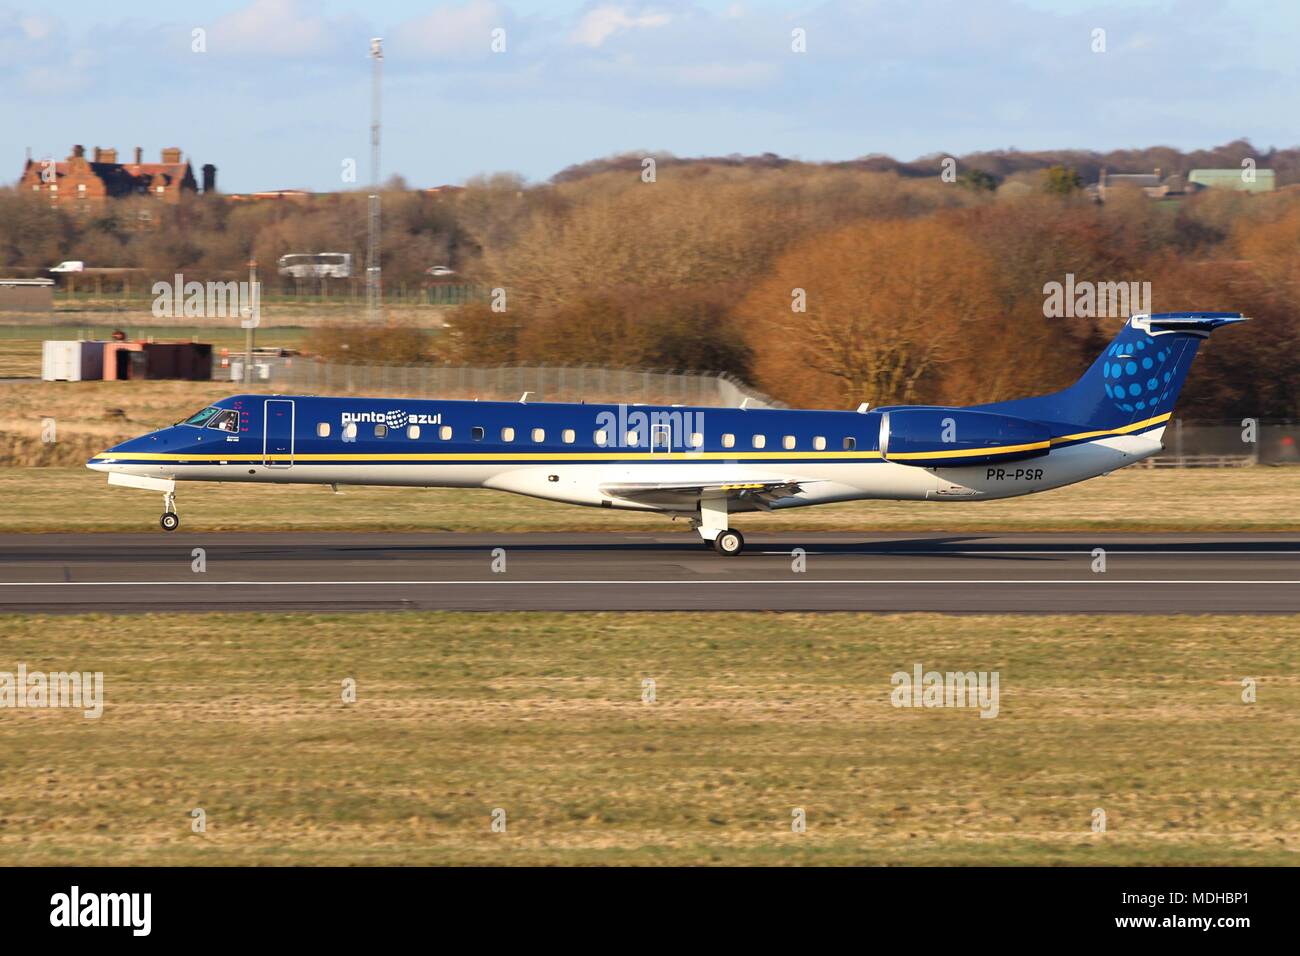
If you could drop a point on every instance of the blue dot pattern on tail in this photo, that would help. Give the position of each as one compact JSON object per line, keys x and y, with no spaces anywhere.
{"x":1137,"y":372}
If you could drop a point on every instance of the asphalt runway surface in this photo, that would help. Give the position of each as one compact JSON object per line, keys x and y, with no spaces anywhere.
{"x":1025,"y":573}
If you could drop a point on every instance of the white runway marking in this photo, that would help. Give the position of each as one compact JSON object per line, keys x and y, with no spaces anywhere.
{"x":707,"y":583}
{"x":1111,"y":551}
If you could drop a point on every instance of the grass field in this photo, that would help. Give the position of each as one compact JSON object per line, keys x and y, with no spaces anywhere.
{"x":75,"y":499}
{"x":541,"y":715}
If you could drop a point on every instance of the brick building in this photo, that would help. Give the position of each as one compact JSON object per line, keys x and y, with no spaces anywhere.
{"x":84,"y":182}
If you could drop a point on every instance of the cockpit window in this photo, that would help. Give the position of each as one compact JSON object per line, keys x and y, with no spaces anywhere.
{"x":199,"y":419}
{"x":227,"y":421}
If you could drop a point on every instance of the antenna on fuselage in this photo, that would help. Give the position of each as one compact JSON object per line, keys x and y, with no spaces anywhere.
{"x":744,"y":402}
{"x":862,"y":409}
{"x":523,"y":399}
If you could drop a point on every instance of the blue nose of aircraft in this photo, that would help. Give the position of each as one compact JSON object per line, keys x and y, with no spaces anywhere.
{"x":161,"y":440}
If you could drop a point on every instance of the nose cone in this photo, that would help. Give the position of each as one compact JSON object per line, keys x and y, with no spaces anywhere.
{"x":112,"y":459}
{"x":104,"y":461}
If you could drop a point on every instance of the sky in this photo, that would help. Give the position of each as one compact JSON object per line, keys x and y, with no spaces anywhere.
{"x":276,"y":93}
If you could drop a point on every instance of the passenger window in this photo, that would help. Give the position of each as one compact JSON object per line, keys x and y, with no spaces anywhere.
{"x":477,"y":433}
{"x":850,"y":444}
{"x":819,"y":442}
{"x":697,"y":439}
{"x":728,"y":441}
{"x":445,"y":433}
{"x":227,"y":421}
{"x":601,"y":438}
{"x":350,"y":431}
{"x":760,"y":441}
{"x":568,"y":436}
{"x":539,"y":434}
{"x":413,"y":432}
{"x":507,"y":434}
{"x":381,"y":431}
{"x":322,"y":429}
{"x":633,"y":439}
{"x":787,"y":442}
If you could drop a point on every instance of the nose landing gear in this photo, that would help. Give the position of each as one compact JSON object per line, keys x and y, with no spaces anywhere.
{"x":170,"y":520}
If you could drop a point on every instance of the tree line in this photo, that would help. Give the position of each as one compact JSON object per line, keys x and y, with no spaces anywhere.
{"x":822,"y":284}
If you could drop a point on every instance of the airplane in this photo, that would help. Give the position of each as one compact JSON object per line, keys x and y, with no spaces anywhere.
{"x":702,"y":464}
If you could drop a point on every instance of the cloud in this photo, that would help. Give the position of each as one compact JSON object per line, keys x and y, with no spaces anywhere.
{"x":453,"y":32}
{"x":600,"y":24}
{"x":286,"y":28}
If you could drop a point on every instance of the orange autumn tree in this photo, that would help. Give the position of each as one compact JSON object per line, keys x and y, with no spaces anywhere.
{"x":891,"y":309}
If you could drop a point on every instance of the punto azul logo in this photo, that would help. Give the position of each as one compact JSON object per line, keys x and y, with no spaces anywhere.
{"x":394,"y":418}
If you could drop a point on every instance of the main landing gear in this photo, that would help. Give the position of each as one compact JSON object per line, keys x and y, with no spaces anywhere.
{"x":712,"y":526}
{"x":729,"y":543}
{"x":170,"y":520}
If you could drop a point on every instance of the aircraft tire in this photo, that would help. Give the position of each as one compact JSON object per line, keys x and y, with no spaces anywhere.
{"x":729,"y":543}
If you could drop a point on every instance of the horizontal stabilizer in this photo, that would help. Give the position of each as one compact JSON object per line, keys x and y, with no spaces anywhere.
{"x":1190,"y":323}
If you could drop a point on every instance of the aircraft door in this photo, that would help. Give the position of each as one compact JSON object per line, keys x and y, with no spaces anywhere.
{"x":277,"y":434}
{"x":661,"y":438}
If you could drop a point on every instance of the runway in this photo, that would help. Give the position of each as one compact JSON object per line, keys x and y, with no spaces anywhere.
{"x":1007,"y":573}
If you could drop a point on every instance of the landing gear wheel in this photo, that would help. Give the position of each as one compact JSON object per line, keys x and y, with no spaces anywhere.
{"x":729,"y":543}
{"x":170,"y":521}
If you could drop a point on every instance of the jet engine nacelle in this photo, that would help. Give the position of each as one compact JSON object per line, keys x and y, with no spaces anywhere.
{"x":950,"y":437}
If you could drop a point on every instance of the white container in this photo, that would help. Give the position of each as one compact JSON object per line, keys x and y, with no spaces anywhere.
{"x":60,"y":361}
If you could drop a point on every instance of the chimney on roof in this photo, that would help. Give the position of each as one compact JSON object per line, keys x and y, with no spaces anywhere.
{"x":209,"y":178}
{"x":139,"y":155}
{"x":97,"y":154}
{"x":79,"y":151}
{"x":108,"y":155}
{"x":172,"y":154}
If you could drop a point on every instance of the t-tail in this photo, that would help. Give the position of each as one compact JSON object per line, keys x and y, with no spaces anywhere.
{"x":1133,"y":385}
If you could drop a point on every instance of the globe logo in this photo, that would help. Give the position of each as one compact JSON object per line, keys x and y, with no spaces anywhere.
{"x":396,"y":419}
{"x":1137,"y":373}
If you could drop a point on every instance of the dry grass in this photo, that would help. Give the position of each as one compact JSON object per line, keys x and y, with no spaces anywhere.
{"x":756,"y":714}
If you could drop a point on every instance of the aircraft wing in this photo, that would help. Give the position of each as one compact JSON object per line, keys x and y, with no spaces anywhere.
{"x":760,"y":493}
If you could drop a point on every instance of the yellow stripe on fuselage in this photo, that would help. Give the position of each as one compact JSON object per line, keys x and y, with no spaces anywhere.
{"x":636,"y":456}
{"x":1124,"y":430}
{"x":968,"y":452}
{"x":505,"y":456}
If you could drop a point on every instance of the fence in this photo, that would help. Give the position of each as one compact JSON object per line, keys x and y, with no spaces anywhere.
{"x":1224,"y":445}
{"x":136,"y":295}
{"x":503,"y":383}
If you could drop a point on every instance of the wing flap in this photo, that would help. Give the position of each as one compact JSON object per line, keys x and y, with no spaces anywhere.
{"x":761,"y":493}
